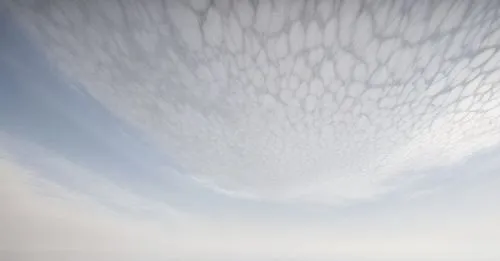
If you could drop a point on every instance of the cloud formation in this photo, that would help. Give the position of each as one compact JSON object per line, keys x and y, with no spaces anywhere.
{"x":276,"y":100}
{"x":44,"y":220}
{"x":323,"y":130}
{"x":41,"y":214}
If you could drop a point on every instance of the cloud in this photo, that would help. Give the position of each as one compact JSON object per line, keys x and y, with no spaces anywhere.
{"x":44,"y":215}
{"x":43,"y":220}
{"x":369,"y":144}
{"x":255,"y":123}
{"x":34,"y":221}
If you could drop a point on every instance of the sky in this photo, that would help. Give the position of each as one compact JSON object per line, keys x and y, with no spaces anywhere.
{"x":249,"y":130}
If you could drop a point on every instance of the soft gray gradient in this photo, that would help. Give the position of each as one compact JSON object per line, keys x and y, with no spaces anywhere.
{"x":249,"y":130}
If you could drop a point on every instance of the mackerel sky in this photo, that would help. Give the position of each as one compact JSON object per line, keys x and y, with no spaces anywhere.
{"x":249,"y":130}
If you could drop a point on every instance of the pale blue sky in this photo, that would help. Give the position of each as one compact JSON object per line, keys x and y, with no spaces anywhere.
{"x":195,"y":131}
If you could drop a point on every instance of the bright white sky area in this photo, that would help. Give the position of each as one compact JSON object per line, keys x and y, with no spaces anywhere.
{"x":249,"y":130}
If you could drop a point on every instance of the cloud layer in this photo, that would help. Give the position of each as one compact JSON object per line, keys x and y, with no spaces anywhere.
{"x":41,"y":220}
{"x":249,"y":129}
{"x":275,"y":100}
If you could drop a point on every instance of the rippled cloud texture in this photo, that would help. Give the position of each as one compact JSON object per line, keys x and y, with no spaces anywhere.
{"x":249,"y":130}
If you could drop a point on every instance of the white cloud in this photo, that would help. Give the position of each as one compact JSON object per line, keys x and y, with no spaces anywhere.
{"x":251,"y":126}
{"x":40,"y":219}
{"x":217,"y":129}
{"x":46,"y":216}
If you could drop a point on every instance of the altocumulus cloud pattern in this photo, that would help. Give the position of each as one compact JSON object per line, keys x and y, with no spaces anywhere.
{"x":333,"y":129}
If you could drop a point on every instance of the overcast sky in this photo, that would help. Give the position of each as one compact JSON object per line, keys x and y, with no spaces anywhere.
{"x":285,"y":130}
